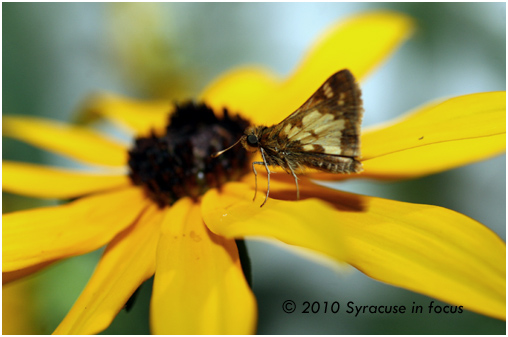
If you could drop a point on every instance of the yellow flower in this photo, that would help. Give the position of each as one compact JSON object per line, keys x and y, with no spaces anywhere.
{"x":199,"y":286}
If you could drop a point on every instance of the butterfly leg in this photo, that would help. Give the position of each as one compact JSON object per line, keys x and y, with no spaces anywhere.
{"x":256,"y":179}
{"x":256,"y":176}
{"x":267,"y":173}
{"x":296,"y":179}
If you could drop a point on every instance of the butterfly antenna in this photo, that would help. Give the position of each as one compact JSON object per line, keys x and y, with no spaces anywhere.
{"x":216,"y":154}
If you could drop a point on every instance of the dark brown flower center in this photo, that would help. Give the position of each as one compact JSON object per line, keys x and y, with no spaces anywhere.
{"x":179,"y":163}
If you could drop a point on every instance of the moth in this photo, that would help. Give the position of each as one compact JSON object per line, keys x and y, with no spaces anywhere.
{"x":323,"y":134}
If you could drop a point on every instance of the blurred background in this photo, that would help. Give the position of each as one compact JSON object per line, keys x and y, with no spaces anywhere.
{"x":56,"y":54}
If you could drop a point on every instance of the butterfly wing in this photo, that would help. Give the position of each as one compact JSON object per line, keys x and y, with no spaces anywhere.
{"x":328,"y":122}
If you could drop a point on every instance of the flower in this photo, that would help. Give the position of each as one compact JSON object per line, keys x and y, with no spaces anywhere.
{"x":189,"y":243}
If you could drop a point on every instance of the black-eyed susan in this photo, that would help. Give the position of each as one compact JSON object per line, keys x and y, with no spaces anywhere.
{"x":178,"y":211}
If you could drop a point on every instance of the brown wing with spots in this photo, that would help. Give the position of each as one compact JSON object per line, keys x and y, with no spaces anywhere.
{"x":328,"y":122}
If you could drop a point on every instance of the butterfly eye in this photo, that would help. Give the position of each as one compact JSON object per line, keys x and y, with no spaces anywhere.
{"x":252,"y":140}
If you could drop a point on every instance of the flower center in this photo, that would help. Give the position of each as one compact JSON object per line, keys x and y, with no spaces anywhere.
{"x":179,"y":163}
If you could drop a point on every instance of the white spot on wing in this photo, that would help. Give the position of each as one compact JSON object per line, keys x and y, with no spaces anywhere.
{"x":310,"y":118}
{"x":341,"y":100}
{"x":327,"y":90}
{"x":332,"y":150}
{"x":304,"y":135}
{"x":293,"y":131}
{"x":334,"y":127}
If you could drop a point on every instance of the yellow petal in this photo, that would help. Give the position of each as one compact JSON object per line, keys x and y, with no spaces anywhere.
{"x":308,"y":223}
{"x":72,"y":141}
{"x":199,"y":286}
{"x":359,"y":44}
{"x":14,"y":275}
{"x":127,"y":262}
{"x":18,"y":311}
{"x":430,"y":250}
{"x":44,"y":182}
{"x":427,"y":249}
{"x":136,"y":116}
{"x":241,"y":91}
{"x":35,"y":236}
{"x":437,"y":137}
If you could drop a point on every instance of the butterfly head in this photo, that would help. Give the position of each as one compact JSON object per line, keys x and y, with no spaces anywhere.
{"x":252,"y":137}
{"x":250,"y":140}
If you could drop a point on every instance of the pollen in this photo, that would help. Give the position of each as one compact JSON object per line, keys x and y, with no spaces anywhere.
{"x":179,"y":163}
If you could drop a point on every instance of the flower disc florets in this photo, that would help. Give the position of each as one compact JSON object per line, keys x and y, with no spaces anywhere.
{"x":179,"y":163}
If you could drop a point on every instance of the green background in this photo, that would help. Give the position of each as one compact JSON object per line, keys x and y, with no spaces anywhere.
{"x":55,"y":55}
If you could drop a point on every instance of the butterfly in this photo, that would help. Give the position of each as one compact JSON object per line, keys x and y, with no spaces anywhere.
{"x":323,"y":134}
